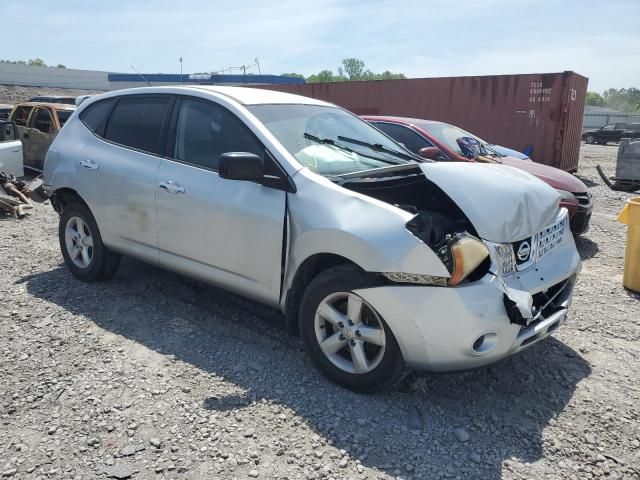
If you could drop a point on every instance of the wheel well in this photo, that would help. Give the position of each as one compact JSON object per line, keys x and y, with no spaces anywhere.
{"x":310,"y":268}
{"x":65,"y":196}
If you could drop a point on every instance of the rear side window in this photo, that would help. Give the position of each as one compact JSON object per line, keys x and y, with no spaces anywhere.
{"x":136,"y":122}
{"x":63,"y":116}
{"x":21,"y":115}
{"x":404,"y":135}
{"x":95,"y":116}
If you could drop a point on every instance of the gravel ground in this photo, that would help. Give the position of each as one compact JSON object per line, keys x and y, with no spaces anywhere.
{"x":151,"y":375}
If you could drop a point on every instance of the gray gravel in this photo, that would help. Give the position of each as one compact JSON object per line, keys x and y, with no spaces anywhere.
{"x":152,"y":375}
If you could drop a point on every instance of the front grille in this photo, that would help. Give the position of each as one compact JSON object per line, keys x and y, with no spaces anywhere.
{"x":518,"y":256}
{"x":549,"y":239}
{"x":584,"y":198}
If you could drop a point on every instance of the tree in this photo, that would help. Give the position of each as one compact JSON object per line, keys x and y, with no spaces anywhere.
{"x":293,"y":75}
{"x":595,"y":99}
{"x":37,"y":62}
{"x":325,"y":76}
{"x":624,"y":99}
{"x":352,"y":69}
{"x":60,"y":66}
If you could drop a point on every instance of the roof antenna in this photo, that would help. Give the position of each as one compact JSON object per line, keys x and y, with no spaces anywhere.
{"x":134,"y":69}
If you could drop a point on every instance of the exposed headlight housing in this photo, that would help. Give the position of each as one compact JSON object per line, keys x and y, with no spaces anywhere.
{"x":462,"y":254}
{"x":505,"y":259}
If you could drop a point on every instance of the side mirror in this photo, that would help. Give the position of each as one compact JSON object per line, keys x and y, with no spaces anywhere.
{"x":241,"y":166}
{"x":432,"y":153}
{"x":8,"y":131}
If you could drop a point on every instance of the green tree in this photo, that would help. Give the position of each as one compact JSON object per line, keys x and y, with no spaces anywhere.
{"x":624,"y":99}
{"x":595,"y":99}
{"x":37,"y":62}
{"x":60,"y":66}
{"x":294,"y":75}
{"x":353,"y":69}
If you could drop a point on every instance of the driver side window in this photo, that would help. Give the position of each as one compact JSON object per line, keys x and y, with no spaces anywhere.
{"x":608,"y":127}
{"x":204,"y":131}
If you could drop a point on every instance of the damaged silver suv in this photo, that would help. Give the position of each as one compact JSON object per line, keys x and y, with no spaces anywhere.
{"x":377,"y":259}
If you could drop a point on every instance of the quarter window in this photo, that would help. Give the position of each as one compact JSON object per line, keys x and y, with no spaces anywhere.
{"x":95,"y":115}
{"x":21,"y":115}
{"x":410,"y":139}
{"x":204,"y":131}
{"x":136,"y":122}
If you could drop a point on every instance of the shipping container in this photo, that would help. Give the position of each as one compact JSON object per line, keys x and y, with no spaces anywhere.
{"x":542,"y":112}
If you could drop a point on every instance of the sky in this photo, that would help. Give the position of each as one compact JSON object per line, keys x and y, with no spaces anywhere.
{"x":420,"y":38}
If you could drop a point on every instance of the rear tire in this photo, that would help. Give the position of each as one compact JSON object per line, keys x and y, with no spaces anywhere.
{"x":358,"y":348}
{"x":81,"y":244}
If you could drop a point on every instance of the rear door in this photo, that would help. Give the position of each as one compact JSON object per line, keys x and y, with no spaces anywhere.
{"x":226,"y":232}
{"x":10,"y":150}
{"x":121,"y":164}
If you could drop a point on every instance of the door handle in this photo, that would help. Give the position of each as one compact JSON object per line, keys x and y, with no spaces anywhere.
{"x":171,"y":187}
{"x":90,"y":164}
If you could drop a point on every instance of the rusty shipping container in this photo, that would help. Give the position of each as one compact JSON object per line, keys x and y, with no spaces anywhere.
{"x":543,"y":111}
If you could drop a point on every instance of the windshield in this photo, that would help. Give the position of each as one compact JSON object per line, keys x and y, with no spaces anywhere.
{"x":63,"y":116}
{"x":328,"y":140}
{"x":449,"y":135}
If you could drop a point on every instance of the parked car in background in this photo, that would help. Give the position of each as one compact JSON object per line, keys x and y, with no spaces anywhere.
{"x":612,"y":132}
{"x":68,"y":100}
{"x":439,"y":141}
{"x":509,"y":152}
{"x":38,"y":124}
{"x":379,"y":260}
{"x":10,"y":150}
{"x":5,"y":110}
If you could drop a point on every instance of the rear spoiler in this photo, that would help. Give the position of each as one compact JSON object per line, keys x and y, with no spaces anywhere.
{"x":81,"y":99}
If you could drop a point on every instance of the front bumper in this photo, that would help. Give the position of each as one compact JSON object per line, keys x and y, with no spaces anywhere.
{"x":440,"y":328}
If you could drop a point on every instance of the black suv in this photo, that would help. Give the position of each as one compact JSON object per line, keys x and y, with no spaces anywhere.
{"x":612,"y":132}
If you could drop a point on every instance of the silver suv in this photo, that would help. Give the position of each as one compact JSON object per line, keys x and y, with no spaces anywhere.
{"x":378,"y":259}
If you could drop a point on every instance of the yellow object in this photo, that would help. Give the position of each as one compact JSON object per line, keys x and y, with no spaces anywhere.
{"x":630,"y":216}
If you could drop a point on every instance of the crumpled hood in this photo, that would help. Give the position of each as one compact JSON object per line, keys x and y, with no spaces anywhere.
{"x":504,"y":204}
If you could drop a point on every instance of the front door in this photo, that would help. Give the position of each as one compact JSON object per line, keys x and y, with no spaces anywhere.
{"x":38,"y":136}
{"x":225,"y":232}
{"x":10,"y":150}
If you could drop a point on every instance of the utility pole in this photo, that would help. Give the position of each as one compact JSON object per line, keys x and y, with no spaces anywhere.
{"x":258,"y":64}
{"x":180,"y":60}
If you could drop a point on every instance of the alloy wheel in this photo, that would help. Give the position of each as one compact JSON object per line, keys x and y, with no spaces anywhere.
{"x":350,"y":333}
{"x":79,"y":242}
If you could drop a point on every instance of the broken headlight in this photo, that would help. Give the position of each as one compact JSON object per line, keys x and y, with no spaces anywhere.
{"x":462,"y":254}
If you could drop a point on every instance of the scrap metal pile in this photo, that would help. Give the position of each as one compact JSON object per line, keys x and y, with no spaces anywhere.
{"x":16,"y":196}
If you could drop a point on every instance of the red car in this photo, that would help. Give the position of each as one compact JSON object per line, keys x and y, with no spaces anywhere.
{"x":439,"y":141}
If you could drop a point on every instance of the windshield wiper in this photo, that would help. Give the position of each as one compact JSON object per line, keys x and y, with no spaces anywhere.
{"x":328,"y":141}
{"x":377,"y":147}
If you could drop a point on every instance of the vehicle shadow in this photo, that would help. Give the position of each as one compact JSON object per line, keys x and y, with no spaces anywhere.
{"x":503,"y":408}
{"x":587,"y":248}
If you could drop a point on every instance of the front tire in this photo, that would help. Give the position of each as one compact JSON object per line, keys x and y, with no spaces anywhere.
{"x":590,"y":139}
{"x":81,"y":244}
{"x":344,"y":335}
